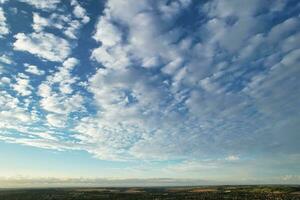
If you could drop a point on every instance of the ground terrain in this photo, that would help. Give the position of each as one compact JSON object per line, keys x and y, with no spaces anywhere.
{"x":139,"y":193}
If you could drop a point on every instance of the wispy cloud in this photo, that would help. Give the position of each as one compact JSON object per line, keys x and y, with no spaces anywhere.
{"x":32,"y":69}
{"x":4,"y":30}
{"x":44,"y":45}
{"x":42,"y":4}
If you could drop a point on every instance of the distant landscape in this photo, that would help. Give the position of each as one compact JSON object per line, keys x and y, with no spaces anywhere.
{"x":137,"y":193}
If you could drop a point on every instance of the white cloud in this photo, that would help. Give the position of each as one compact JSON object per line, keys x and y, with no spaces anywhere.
{"x":284,"y":29}
{"x":8,"y":101}
{"x":70,"y":63}
{"x":6,"y":59}
{"x":33,"y":69}
{"x":59,"y":103}
{"x":151,"y":62}
{"x":193,"y":166}
{"x":138,"y":22}
{"x":156,"y":75}
{"x":5,"y":80}
{"x":208,"y":85}
{"x":39,"y":22}
{"x":232,"y":158}
{"x":295,"y":178}
{"x":44,"y":45}
{"x":15,"y":115}
{"x":64,"y":77}
{"x":223,"y":9}
{"x":44,"y":90}
{"x":137,"y":93}
{"x":64,"y":23}
{"x":71,"y":30}
{"x":173,"y":66}
{"x":42,"y":4}
{"x":56,"y":120}
{"x":12,"y":114}
{"x":201,"y":79}
{"x":19,"y":116}
{"x":3,"y":1}
{"x":22,"y":85}
{"x":80,"y":12}
{"x":44,"y":143}
{"x":4,"y":30}
{"x":107,"y":33}
{"x":171,"y":9}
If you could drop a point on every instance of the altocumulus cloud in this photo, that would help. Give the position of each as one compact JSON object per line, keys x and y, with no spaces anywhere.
{"x":3,"y":26}
{"x":184,"y":80}
{"x":43,"y":45}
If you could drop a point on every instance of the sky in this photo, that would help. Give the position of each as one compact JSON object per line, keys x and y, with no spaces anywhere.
{"x":149,"y":92}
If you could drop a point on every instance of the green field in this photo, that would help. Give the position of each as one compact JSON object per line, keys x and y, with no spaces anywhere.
{"x":138,"y":193}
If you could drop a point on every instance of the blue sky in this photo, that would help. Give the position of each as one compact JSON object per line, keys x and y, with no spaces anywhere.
{"x":169,"y":91}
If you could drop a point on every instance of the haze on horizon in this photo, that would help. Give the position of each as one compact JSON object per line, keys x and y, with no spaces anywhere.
{"x":149,"y":92}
